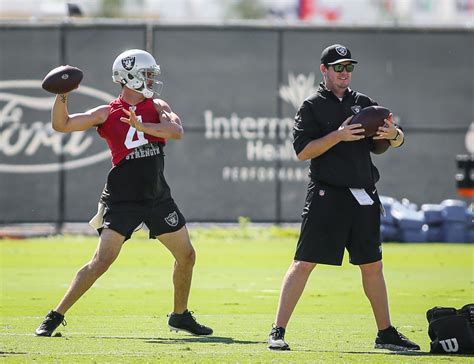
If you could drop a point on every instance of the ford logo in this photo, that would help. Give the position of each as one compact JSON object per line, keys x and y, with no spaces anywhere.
{"x":28,"y":144}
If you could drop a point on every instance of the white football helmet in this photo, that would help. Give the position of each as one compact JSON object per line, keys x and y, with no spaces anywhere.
{"x":137,"y":70}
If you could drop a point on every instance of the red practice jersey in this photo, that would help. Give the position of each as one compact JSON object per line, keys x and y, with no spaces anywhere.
{"x":123,"y":138}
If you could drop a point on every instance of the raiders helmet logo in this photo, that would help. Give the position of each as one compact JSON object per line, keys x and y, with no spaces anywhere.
{"x":342,"y":51}
{"x":172,"y":219}
{"x":355,"y":109}
{"x":128,"y":63}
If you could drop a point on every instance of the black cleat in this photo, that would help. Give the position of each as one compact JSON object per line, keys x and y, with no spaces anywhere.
{"x":186,"y":322}
{"x":391,"y":339}
{"x":50,"y":323}
{"x":276,"y":339}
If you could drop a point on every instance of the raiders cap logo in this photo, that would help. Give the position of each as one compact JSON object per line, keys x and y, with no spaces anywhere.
{"x":342,"y":51}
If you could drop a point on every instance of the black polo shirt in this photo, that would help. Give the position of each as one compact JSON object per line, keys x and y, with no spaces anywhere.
{"x":347,"y":164}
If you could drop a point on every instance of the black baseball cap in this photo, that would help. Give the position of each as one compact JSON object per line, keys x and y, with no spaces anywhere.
{"x":336,"y":53}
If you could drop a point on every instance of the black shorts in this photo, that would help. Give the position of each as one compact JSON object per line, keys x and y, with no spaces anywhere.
{"x":333,"y":220}
{"x":160,"y":217}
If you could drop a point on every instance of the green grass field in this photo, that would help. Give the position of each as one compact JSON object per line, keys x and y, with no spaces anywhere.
{"x":235,"y":290}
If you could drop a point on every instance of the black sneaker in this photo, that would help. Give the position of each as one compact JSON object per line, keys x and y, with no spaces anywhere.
{"x":276,"y":339}
{"x":52,"y":320}
{"x":186,"y":322}
{"x":391,"y":339}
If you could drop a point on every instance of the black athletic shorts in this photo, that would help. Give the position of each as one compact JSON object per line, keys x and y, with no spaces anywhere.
{"x":333,"y":220}
{"x":159,"y":216}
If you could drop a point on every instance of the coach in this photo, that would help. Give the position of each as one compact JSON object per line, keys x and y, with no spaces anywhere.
{"x":342,"y":207}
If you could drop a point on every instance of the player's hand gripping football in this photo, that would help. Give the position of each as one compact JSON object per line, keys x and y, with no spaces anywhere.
{"x":132,"y":120}
{"x":388,"y":131}
{"x":349,"y":133}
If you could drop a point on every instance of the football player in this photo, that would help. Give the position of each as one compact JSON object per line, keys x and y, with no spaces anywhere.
{"x":135,"y":126}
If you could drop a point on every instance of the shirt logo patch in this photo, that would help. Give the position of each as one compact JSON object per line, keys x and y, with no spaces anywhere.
{"x":356,"y":109}
{"x":322,"y":193}
{"x":172,"y":219}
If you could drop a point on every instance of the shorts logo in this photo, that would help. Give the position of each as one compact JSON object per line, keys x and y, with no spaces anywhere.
{"x":128,"y":63}
{"x":355,"y":109}
{"x":172,"y":219}
{"x":321,"y":193}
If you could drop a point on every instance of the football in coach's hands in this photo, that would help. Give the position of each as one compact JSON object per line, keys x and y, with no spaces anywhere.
{"x":62,"y":79}
{"x":371,"y":118}
{"x":379,"y":146}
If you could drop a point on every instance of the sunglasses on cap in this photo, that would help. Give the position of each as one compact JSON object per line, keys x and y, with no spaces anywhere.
{"x":340,"y":67}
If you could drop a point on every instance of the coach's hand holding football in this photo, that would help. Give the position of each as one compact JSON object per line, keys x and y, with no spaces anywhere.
{"x":347,"y":133}
{"x":390,"y":132}
{"x":342,"y":207}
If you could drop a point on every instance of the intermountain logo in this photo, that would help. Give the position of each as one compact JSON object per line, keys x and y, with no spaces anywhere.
{"x":29,"y":145}
{"x":299,"y":88}
{"x":268,"y":139}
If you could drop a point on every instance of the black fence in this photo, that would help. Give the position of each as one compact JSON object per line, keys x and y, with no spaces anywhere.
{"x":236,"y":89}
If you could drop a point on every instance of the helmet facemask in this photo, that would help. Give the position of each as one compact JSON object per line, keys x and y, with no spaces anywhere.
{"x":151,"y":86}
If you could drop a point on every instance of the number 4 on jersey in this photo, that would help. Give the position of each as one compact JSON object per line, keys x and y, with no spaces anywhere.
{"x":130,"y":142}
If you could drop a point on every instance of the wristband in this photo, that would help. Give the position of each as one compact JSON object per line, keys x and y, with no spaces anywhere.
{"x":396,"y":136}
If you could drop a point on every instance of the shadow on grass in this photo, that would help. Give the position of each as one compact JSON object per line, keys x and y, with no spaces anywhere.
{"x":402,"y":353}
{"x":181,"y":340}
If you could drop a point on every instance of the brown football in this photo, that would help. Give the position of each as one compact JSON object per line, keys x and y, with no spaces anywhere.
{"x":371,"y":118}
{"x":62,"y":79}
